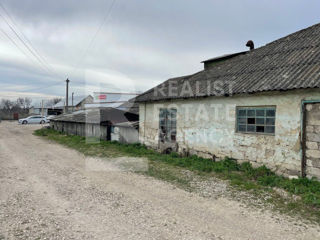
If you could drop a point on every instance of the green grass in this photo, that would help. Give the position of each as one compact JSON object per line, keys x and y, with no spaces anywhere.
{"x":243,"y":177}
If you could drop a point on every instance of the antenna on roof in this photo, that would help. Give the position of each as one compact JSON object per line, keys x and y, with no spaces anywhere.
{"x":250,"y":44}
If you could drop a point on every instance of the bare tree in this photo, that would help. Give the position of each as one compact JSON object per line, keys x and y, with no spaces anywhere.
{"x":15,"y":105}
{"x":7,"y":104}
{"x":53,"y":101}
{"x":27,"y":102}
{"x":20,"y":102}
{"x":56,"y":100}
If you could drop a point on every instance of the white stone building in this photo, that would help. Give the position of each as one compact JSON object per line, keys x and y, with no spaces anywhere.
{"x":261,"y":106}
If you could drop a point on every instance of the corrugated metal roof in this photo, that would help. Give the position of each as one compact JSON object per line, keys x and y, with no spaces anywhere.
{"x":128,"y":124}
{"x":97,"y":116}
{"x":291,"y":62}
{"x":130,"y":106}
{"x":76,"y":101}
{"x":104,"y":105}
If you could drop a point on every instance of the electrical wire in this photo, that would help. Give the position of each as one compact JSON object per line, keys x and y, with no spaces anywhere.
{"x":85,"y":52}
{"x":27,"y":56}
{"x":41,"y":60}
{"x":29,"y":42}
{"x":40,"y":88}
{"x":83,"y":83}
{"x":17,"y":46}
{"x":27,"y":47}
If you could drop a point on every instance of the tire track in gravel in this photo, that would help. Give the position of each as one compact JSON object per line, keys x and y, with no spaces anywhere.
{"x":47,"y":192}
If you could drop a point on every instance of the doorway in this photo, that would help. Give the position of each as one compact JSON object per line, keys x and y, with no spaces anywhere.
{"x":108,"y":132}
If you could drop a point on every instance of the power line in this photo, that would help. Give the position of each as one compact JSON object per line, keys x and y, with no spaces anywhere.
{"x":28,"y":48}
{"x":24,"y":36}
{"x":34,"y":89}
{"x":40,"y":88}
{"x":95,"y":35}
{"x":27,"y":56}
{"x":84,"y":83}
{"x":14,"y":43}
{"x":41,"y":60}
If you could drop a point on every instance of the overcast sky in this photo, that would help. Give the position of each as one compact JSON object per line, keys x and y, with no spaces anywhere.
{"x":136,"y":45}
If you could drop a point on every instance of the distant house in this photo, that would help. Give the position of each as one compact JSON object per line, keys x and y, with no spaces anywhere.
{"x":109,"y":99}
{"x":38,"y":109}
{"x":79,"y":103}
{"x":261,"y":106}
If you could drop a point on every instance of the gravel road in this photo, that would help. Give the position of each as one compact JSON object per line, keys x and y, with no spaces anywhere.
{"x":47,"y":192}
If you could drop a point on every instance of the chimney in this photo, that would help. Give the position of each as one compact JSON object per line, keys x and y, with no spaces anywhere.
{"x":250,"y":44}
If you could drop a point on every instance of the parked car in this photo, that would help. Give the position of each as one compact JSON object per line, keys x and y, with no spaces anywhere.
{"x":33,"y":120}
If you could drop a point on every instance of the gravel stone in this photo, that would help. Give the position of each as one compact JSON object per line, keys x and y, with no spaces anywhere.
{"x":46,"y":192}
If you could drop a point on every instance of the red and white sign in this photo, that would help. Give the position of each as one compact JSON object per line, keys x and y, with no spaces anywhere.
{"x":102,"y":97}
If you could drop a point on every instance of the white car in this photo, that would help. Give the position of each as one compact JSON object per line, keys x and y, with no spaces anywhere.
{"x":34,"y":120}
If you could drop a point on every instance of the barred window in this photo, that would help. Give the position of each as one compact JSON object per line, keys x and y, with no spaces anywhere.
{"x":167,"y":125}
{"x":256,"y":119}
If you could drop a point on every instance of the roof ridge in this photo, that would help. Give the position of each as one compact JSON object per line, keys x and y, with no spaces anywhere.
{"x":296,"y":55}
{"x":294,"y":33}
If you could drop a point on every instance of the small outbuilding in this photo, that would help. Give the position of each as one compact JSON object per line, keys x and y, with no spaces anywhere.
{"x":99,"y":123}
{"x":126,"y":132}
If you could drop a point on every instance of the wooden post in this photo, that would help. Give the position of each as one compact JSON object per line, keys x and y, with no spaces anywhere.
{"x":67,"y":94}
{"x":303,"y":141}
{"x":72,"y":101}
{"x":42,"y":107}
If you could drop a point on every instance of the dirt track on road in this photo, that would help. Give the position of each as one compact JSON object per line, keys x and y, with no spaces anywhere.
{"x":46,"y":192}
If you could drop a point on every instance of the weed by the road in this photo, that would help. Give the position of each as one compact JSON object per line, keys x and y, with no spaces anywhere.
{"x":303,"y":194}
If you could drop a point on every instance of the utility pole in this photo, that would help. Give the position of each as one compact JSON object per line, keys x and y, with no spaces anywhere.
{"x":42,"y":108}
{"x":72,"y":101}
{"x":67,"y":94}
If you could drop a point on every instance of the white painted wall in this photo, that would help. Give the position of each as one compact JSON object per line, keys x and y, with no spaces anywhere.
{"x":206,"y":126}
{"x":125,"y":134}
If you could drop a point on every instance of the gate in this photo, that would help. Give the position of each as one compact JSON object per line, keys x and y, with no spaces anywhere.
{"x":15,"y":116}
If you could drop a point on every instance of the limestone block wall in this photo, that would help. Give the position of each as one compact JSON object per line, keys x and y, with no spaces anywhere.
{"x":313,"y":139}
{"x":207,"y":127}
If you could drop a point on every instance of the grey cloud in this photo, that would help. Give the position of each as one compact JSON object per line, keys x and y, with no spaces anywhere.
{"x":144,"y":41}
